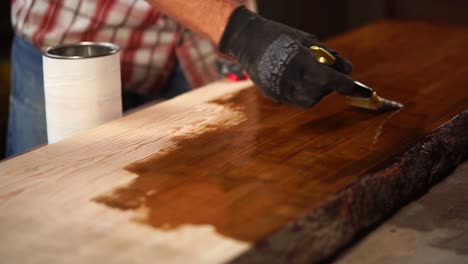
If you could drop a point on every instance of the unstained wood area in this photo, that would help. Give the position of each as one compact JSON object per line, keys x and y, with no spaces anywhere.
{"x":204,"y":177}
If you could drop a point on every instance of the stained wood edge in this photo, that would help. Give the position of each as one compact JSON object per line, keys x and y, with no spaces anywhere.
{"x":362,"y":205}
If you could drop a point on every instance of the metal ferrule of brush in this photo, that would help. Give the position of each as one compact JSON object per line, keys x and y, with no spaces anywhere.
{"x":363,"y":96}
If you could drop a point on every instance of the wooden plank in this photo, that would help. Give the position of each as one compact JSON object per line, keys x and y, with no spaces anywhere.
{"x":224,"y":174}
{"x":349,"y":213}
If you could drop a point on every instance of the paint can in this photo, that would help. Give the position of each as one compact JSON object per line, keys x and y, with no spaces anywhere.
{"x":82,"y":87}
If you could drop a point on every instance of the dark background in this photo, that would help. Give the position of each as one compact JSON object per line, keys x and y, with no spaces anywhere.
{"x":324,"y":18}
{"x":5,"y":37}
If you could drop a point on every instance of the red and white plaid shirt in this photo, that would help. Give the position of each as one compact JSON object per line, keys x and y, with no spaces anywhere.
{"x":150,"y":42}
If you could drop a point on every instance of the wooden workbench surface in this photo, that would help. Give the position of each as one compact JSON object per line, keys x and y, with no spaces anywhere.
{"x":223,"y":174}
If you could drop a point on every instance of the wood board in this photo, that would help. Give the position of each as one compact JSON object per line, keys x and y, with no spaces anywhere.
{"x":223,"y":174}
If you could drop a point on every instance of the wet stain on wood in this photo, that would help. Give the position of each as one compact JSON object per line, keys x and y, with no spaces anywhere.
{"x":251,"y":179}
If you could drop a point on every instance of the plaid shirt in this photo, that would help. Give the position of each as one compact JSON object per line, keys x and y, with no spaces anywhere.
{"x":150,"y":42}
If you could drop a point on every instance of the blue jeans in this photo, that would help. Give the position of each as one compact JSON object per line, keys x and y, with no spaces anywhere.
{"x":27,"y":121}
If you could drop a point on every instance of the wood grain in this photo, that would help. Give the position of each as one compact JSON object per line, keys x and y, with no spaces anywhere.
{"x":224,"y":174}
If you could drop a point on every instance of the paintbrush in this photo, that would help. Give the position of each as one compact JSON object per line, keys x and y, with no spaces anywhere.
{"x":364,"y":97}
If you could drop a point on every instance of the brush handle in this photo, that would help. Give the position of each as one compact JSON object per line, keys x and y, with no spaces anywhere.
{"x":361,"y":90}
{"x":326,"y":58}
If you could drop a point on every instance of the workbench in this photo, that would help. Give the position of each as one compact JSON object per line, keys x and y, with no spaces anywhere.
{"x":222,"y":174}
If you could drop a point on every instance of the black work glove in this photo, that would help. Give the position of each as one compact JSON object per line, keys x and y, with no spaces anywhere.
{"x":279,"y":61}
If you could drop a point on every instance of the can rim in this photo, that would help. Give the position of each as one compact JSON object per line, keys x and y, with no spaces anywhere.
{"x":113,"y":48}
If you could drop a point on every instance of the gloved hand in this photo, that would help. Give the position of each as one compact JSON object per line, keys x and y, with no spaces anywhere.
{"x":279,"y":61}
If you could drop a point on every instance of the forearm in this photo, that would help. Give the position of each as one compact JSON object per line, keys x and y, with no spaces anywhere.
{"x":207,"y":17}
